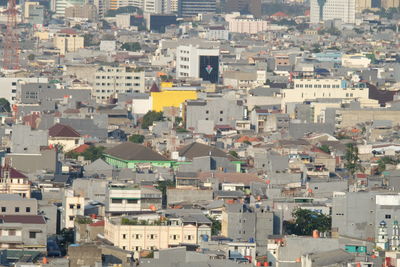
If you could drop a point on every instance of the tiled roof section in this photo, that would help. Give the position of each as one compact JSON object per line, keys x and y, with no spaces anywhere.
{"x":24,"y":219}
{"x":99,"y":223}
{"x":131,"y":151}
{"x":279,"y":14}
{"x":81,"y":148}
{"x":154,"y":88}
{"x":194,"y":150}
{"x":68,"y":31}
{"x":222,"y":177}
{"x":13,"y":173}
{"x":60,"y":130}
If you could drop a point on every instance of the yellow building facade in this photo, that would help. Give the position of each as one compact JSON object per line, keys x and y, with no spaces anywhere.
{"x":171,"y":98}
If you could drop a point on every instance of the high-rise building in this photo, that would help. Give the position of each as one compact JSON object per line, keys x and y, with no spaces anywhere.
{"x":255,"y":8}
{"x":189,"y":8}
{"x":197,"y":62}
{"x":60,"y":6}
{"x":117,"y":80}
{"x":323,"y":10}
{"x":363,"y":4}
{"x":390,"y":4}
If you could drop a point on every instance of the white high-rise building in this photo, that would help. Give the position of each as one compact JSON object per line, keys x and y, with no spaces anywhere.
{"x":197,"y":62}
{"x":323,"y":10}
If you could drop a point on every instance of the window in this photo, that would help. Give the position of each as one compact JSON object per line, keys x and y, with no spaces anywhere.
{"x":78,"y":206}
{"x":221,"y":112}
{"x":16,"y":209}
{"x":116,"y":201}
{"x":71,"y":218}
{"x":207,"y":111}
{"x":124,"y":236}
{"x":32,"y":234}
{"x":132,"y":201}
{"x":71,"y":206}
{"x":28,"y":209}
{"x":3,"y":209}
{"x":14,"y":83}
{"x":388,"y":216}
{"x":137,"y":236}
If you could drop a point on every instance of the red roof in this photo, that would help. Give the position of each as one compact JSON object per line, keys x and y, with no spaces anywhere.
{"x":31,"y":120}
{"x":68,"y":31}
{"x":24,"y":219}
{"x":13,"y":173}
{"x":81,"y":148}
{"x":99,"y":223}
{"x":60,"y":130}
{"x":279,"y":14}
{"x":247,"y":138}
{"x":307,"y":13}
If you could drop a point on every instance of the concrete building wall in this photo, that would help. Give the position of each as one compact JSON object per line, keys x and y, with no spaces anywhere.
{"x":344,"y":10}
{"x":189,"y":195}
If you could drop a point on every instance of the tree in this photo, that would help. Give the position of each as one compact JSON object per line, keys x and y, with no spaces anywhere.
{"x":89,"y":40}
{"x":131,"y":46}
{"x":352,"y":163}
{"x":93,"y":153}
{"x":325,"y":148}
{"x":305,"y":221}
{"x":215,"y":227}
{"x":31,"y":57}
{"x":151,"y":117}
{"x":136,"y":138}
{"x":233,"y":154}
{"x":163,"y":186}
{"x":4,"y":105}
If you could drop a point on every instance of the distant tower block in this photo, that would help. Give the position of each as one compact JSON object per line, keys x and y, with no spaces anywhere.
{"x":383,"y":239}
{"x":395,"y":236}
{"x":11,"y":42}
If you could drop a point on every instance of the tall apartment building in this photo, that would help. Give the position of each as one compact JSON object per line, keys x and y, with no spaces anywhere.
{"x":68,"y":41}
{"x":136,"y":233}
{"x":247,"y":25}
{"x":190,"y":8}
{"x":323,"y":10}
{"x":363,"y":4}
{"x":148,"y":6}
{"x":124,"y":199}
{"x":88,"y":12}
{"x":390,"y":4}
{"x":197,"y":62}
{"x":114,"y":80}
{"x":59,"y":6}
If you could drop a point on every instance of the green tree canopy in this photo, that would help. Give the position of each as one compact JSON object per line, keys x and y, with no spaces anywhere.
{"x":92,"y":153}
{"x":31,"y":57}
{"x":136,"y":138}
{"x":151,"y":117}
{"x":325,"y":148}
{"x":305,"y":221}
{"x":131,"y":46}
{"x":4,"y":105}
{"x":352,"y":163}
